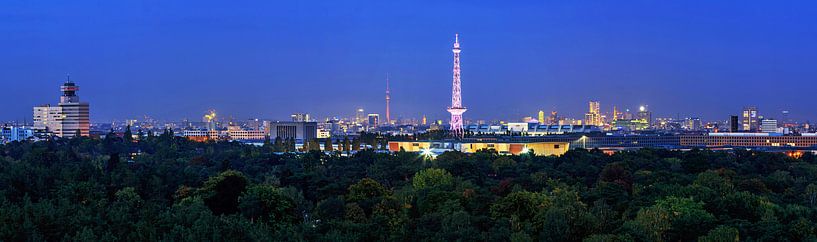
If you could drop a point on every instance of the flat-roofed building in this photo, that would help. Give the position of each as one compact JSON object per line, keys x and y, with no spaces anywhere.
{"x":69,"y":118}
{"x":506,"y":148}
{"x":299,"y":131}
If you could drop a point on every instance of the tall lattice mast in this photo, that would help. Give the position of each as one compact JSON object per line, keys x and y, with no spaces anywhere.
{"x":456,"y":108}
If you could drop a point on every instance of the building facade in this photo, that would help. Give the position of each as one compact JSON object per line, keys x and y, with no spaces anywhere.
{"x":593,"y":115}
{"x":69,"y":118}
{"x":749,"y":119}
{"x":300,"y":131}
{"x":768,"y":126}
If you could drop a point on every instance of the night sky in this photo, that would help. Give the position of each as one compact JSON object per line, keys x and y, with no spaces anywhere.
{"x":267,"y":59}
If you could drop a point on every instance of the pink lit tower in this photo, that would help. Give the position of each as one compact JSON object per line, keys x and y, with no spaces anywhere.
{"x":456,"y":108}
{"x":388,"y":99}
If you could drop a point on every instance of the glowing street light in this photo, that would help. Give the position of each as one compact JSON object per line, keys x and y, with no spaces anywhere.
{"x":427,"y":153}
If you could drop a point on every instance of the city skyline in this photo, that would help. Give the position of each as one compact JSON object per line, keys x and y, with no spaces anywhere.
{"x":326,"y":72}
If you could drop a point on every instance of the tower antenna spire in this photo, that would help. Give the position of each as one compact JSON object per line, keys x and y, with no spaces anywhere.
{"x":456,"y":109}
{"x":388,"y":100}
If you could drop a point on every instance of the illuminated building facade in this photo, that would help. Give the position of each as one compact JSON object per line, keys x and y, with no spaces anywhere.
{"x":503,"y":148}
{"x":68,"y":118}
{"x":768,"y":126}
{"x":644,"y":115}
{"x":300,"y":117}
{"x":593,"y":115}
{"x":749,"y":119}
{"x":374,"y":120}
{"x":300,"y":131}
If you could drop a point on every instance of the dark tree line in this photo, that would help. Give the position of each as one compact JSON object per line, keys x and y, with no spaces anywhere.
{"x":162,"y":187}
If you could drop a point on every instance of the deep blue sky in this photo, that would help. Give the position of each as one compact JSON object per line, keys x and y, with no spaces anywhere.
{"x":268,"y":59}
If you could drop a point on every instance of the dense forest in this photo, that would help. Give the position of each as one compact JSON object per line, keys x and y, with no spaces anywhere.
{"x":167,"y":188}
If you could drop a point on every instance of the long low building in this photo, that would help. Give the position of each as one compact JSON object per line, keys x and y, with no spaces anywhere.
{"x":507,"y":148}
{"x":705,"y":140}
{"x":531,"y":129}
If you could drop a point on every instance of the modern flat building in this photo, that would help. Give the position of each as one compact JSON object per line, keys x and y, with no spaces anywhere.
{"x":68,"y":118}
{"x":501,"y":147}
{"x":768,"y":126}
{"x":749,"y":119}
{"x":530,"y":129}
{"x":300,"y":131}
{"x":9,"y":134}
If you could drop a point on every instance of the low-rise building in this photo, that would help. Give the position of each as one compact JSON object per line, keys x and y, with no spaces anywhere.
{"x":506,"y":148}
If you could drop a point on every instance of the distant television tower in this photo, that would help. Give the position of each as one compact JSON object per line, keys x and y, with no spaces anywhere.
{"x":388,"y":98}
{"x":456,"y":108}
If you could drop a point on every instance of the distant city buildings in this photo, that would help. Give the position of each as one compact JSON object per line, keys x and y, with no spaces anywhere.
{"x":749,"y":119}
{"x":734,"y":124}
{"x":644,"y":115}
{"x":373,"y":120}
{"x":69,"y":118}
{"x":593,"y":115}
{"x":769,"y":126}
{"x":300,"y":117}
{"x":12,"y":133}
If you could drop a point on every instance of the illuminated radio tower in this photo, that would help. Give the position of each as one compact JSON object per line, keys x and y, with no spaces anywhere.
{"x":456,"y":108}
{"x":388,"y":98}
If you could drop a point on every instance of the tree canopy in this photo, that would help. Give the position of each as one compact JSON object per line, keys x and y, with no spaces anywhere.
{"x":162,"y":187}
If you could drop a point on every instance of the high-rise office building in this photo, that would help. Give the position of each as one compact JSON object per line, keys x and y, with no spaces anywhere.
{"x":749,"y":119}
{"x":644,"y":114}
{"x":541,"y":117}
{"x":359,"y":116}
{"x":68,"y":118}
{"x":693,"y":124}
{"x":374,"y":119}
{"x":593,"y":115}
{"x":734,"y":124}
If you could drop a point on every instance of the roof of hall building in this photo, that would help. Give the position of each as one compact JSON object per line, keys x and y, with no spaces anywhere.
{"x":534,"y":127}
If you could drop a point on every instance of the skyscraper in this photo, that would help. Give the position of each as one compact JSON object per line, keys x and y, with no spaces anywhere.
{"x":593,"y":115}
{"x":734,"y":124}
{"x":749,"y":119}
{"x":68,"y":118}
{"x":374,"y":120}
{"x":359,"y":116}
{"x":644,"y":114}
{"x":456,"y":108}
{"x":541,"y":117}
